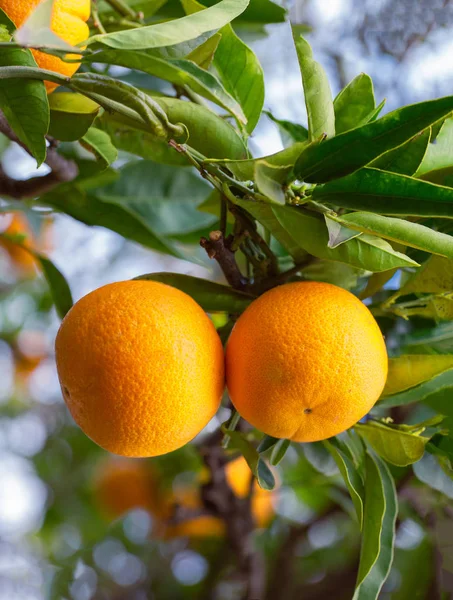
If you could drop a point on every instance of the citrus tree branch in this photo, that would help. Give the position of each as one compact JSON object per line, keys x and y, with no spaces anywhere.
{"x":63,"y":170}
{"x":218,"y":248}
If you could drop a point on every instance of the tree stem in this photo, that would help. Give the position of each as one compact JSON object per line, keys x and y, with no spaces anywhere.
{"x":123,"y":9}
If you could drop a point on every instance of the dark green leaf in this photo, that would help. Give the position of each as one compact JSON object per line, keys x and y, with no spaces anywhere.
{"x":354,"y":104}
{"x":439,"y":155}
{"x":264,"y":476}
{"x":289,"y":132}
{"x":267,"y":443}
{"x":279,"y":451}
{"x":257,"y":465}
{"x":318,"y":97}
{"x":399,"y":448}
{"x":348,"y":152}
{"x":174,"y":32}
{"x":429,"y":470}
{"x":350,"y":476}
{"x":270,"y":179}
{"x":404,"y":159}
{"x":211,"y":296}
{"x":320,"y":458}
{"x":24,"y":103}
{"x":59,"y":288}
{"x":99,"y":143}
{"x":203,"y":55}
{"x":387,"y":194}
{"x":381,"y":508}
{"x":71,"y":115}
{"x":398,"y":230}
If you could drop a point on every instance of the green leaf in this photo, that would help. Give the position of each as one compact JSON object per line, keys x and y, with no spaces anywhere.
{"x":404,"y":159}
{"x":279,"y":451}
{"x":71,"y":115}
{"x":203,"y":55}
{"x":354,"y":104}
{"x":387,"y":194}
{"x":59,"y":288}
{"x":350,"y":476}
{"x":381,"y":508}
{"x":435,"y":276}
{"x":439,"y":155}
{"x":318,"y":97}
{"x":244,"y":170}
{"x":320,"y":458}
{"x":442,"y":445}
{"x":179,"y":72}
{"x":337,"y":233}
{"x":309,"y":233}
{"x":399,"y":448}
{"x":290,"y":133}
{"x":408,"y":371}
{"x":87,"y":208}
{"x":211,"y":296}
{"x":162,"y":197}
{"x":398,"y":230}
{"x":208,"y":134}
{"x":270,"y":179}
{"x":429,"y":470}
{"x":349,"y":151}
{"x":437,"y":339}
{"x":257,"y":465}
{"x":267,"y":443}
{"x":442,"y":385}
{"x":24,"y":103}
{"x":99,"y":143}
{"x":375,"y":283}
{"x":174,"y":32}
{"x":336,"y":273}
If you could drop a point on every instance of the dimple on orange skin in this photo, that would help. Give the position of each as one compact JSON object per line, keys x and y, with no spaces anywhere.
{"x":141,"y":367}
{"x":305,"y":361}
{"x":68,"y":22}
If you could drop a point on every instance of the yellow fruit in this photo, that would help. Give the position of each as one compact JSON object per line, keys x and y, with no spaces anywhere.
{"x":238,"y":476}
{"x":122,"y":484}
{"x":305,"y":361}
{"x":68,"y":22}
{"x":141,"y":367}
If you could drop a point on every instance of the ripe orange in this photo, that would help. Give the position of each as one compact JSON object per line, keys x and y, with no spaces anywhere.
{"x":68,"y":22}
{"x":305,"y":361}
{"x":122,"y":484}
{"x":238,"y":476}
{"x":141,"y":367}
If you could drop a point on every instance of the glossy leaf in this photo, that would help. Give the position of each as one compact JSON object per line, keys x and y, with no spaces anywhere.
{"x":349,"y":151}
{"x":408,"y":371}
{"x":211,"y":296}
{"x":71,"y":115}
{"x":279,"y":451}
{"x":405,"y":159}
{"x":387,"y":194}
{"x":354,"y":104}
{"x":337,"y":233}
{"x":267,"y":443}
{"x":399,"y":448}
{"x":290,"y":133}
{"x":174,"y":32}
{"x":269,"y":180}
{"x":350,"y":476}
{"x":439,"y":155}
{"x":203,"y":55}
{"x":99,"y":143}
{"x":429,"y":471}
{"x":24,"y":103}
{"x":310,"y":233}
{"x":318,"y":97}
{"x":179,"y":72}
{"x":59,"y":288}
{"x":381,"y":508}
{"x":398,"y":230}
{"x":442,"y":384}
{"x":257,"y":465}
{"x":87,"y":208}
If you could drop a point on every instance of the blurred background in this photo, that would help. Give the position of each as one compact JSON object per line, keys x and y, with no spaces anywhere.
{"x":78,"y":523}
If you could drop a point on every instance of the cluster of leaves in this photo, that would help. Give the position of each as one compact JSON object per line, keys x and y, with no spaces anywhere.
{"x":354,"y":198}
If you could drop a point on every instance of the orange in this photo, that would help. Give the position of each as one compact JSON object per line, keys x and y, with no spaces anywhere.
{"x":122,"y":484}
{"x":305,"y":361}
{"x":141,"y":367}
{"x":68,"y":22}
{"x":29,"y":351}
{"x":23,"y":261}
{"x":238,"y":476}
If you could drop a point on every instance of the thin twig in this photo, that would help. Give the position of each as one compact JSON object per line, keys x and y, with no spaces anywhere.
{"x":217,"y":247}
{"x":123,"y":9}
{"x":63,"y":170}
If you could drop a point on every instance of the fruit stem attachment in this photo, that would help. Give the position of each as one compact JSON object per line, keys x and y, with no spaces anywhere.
{"x":232,"y":424}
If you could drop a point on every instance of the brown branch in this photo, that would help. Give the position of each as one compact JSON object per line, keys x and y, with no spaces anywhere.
{"x":63,"y":170}
{"x":218,"y":248}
